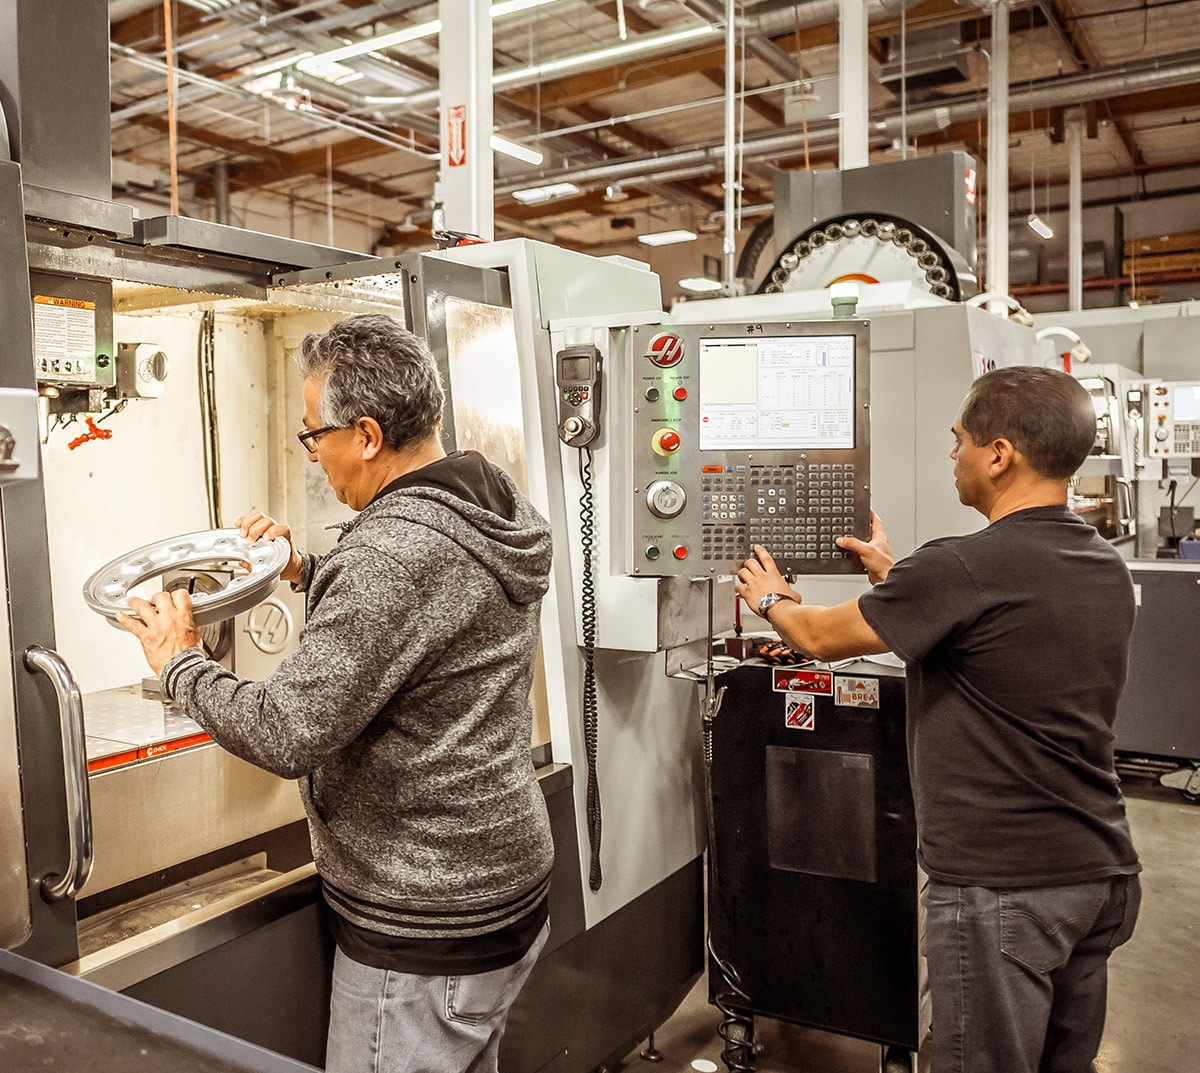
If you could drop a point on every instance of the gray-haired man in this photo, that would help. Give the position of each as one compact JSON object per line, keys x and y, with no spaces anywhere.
{"x":403,"y":711}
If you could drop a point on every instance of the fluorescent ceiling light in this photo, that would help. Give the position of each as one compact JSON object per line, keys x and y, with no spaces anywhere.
{"x":1039,"y":226}
{"x":667,"y":238}
{"x":513,"y":149}
{"x":412,"y":33}
{"x":331,"y":71}
{"x":646,"y":43}
{"x":537,"y":194}
{"x":511,"y":7}
{"x":701,"y":284}
{"x":373,"y":44}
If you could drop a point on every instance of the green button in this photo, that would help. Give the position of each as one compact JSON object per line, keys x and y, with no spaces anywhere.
{"x":652,"y":552}
{"x":652,"y":394}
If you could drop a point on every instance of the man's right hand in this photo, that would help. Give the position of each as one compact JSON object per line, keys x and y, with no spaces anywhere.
{"x":876,"y":555}
{"x":259,"y":526}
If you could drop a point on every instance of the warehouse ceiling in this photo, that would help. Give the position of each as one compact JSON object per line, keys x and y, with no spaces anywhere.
{"x":625,"y":98}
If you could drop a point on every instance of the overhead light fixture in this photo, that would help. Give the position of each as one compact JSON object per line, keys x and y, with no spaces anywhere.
{"x":1039,"y":226}
{"x":648,"y":42}
{"x":667,"y":238}
{"x":535,"y":195}
{"x":615,"y":193}
{"x":372,"y":44}
{"x":410,"y":33}
{"x":701,"y":284}
{"x":515,"y":150}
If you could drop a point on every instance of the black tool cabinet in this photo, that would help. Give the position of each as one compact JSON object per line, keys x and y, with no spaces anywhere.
{"x":814,"y":889}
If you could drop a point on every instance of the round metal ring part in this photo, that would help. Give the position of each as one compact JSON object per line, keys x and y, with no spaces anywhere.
{"x":254,"y":570}
{"x":869,"y":249}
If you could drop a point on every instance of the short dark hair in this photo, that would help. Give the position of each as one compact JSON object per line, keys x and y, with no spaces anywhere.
{"x":375,"y":368}
{"x":1045,"y":414}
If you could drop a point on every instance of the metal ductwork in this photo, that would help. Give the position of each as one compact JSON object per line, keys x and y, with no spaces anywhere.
{"x":759,"y":29}
{"x":1053,"y":93}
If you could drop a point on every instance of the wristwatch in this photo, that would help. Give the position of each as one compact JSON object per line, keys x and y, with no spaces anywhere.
{"x":769,"y":601}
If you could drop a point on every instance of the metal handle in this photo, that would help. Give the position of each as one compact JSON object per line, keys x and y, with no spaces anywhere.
{"x":79,"y":802}
{"x":1123,"y":485}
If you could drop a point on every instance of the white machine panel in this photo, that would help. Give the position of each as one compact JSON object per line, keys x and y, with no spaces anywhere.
{"x":1174,"y":419}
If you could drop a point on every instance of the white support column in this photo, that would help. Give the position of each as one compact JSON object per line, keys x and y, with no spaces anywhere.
{"x":467,"y":185}
{"x":729,"y":242}
{"x":1075,"y":210}
{"x":853,"y":87}
{"x":997,"y":155}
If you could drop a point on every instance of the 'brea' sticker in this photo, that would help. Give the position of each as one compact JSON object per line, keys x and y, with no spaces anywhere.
{"x":856,"y":692}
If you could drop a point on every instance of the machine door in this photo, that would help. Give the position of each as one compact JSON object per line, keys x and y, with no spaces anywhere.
{"x":35,"y":844}
{"x":14,"y":884}
{"x":465,"y":314}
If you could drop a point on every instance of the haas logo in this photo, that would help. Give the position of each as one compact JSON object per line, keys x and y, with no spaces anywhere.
{"x":665,"y":350}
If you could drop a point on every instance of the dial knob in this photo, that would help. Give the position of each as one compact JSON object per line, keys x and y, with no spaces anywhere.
{"x":666,"y":499}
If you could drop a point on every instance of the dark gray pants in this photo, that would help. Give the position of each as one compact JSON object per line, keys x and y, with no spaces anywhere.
{"x":1018,"y":977}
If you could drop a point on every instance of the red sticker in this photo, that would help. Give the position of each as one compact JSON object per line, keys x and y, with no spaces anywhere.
{"x":801,"y":680}
{"x":800,"y":711}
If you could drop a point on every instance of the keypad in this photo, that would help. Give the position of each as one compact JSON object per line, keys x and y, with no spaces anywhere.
{"x":796,"y":511}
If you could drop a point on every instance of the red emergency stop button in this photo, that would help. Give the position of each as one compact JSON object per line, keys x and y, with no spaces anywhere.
{"x":680,"y":551}
{"x":665,"y":441}
{"x":680,"y":393}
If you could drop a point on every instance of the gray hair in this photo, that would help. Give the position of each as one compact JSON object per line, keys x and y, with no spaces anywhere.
{"x":1045,"y":414}
{"x":375,"y":368}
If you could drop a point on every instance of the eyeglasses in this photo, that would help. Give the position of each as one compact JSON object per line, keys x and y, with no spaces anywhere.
{"x":308,"y":438}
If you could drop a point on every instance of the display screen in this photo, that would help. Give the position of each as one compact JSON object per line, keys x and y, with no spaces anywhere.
{"x":1186,"y":398}
{"x":777,"y":393}
{"x":575,"y":370}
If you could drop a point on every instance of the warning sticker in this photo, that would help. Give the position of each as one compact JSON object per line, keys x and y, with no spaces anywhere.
{"x":64,"y":338}
{"x":800,"y":711}
{"x":856,"y":692}
{"x":800,"y":680}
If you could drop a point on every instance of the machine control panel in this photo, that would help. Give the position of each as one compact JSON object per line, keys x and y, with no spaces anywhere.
{"x":744,"y":434}
{"x":1173,"y":419}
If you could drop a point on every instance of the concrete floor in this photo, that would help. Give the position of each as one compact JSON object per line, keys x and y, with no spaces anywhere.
{"x":1154,"y":989}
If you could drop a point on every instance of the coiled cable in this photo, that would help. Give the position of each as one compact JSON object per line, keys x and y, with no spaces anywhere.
{"x":587,"y":615}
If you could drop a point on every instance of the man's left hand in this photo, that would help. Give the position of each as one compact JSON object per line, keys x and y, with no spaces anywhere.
{"x":758,"y":576}
{"x":163,"y":624}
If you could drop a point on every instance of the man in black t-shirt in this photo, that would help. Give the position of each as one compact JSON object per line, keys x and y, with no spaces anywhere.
{"x":1016,"y":644}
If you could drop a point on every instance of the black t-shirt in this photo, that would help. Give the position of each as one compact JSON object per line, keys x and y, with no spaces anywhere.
{"x":1016,"y":641}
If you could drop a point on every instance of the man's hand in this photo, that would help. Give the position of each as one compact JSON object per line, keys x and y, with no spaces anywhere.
{"x":876,"y":555}
{"x":758,"y":576}
{"x":164,"y":626}
{"x":258,"y":526}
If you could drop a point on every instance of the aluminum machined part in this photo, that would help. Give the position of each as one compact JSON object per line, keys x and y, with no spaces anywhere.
{"x":107,"y":590}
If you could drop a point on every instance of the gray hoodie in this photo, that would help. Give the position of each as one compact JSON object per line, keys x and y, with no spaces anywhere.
{"x":404,"y":712}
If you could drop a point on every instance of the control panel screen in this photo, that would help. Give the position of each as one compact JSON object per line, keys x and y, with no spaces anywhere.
{"x":1187,"y":402}
{"x":782,"y":393}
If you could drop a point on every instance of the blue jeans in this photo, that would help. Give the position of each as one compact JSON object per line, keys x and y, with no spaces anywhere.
{"x":1018,"y":977}
{"x":396,"y":1022}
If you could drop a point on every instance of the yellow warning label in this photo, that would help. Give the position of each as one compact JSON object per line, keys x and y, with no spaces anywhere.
{"x":72,"y":303}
